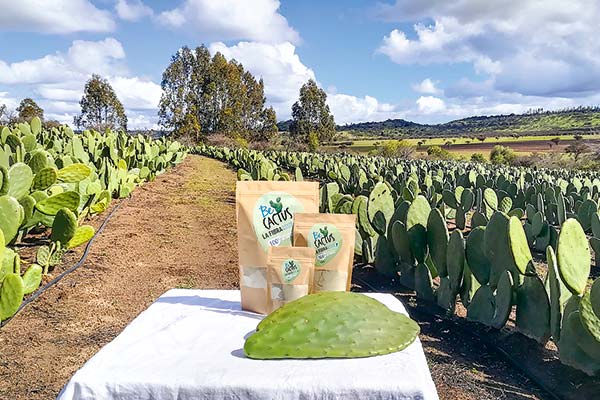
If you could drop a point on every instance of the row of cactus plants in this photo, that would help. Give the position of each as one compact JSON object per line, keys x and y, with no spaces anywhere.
{"x":53,"y":180}
{"x":485,"y":259}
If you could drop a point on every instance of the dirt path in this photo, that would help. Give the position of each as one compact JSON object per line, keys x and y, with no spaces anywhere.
{"x":178,"y":231}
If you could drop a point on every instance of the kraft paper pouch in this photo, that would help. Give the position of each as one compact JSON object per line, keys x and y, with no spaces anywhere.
{"x":289,"y":274}
{"x":265,"y":217}
{"x":332,"y":237}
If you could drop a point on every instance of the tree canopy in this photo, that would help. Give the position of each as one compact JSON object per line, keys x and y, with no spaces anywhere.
{"x":100,"y":107}
{"x":311,"y":116}
{"x":28,"y":109}
{"x":203,"y":95}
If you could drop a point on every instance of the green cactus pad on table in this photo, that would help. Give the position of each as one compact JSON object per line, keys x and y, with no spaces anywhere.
{"x":331,"y":325}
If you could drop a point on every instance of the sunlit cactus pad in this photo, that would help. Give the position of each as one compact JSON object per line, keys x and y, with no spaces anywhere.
{"x":331,"y":325}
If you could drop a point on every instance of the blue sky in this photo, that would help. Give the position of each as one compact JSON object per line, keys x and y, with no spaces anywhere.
{"x":425,"y":60}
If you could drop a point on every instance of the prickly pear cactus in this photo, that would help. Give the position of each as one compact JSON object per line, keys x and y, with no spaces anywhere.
{"x":482,"y":306}
{"x":11,"y":217}
{"x":519,"y":248}
{"x":82,"y":235}
{"x":53,"y":204}
{"x":11,"y":295}
{"x":32,"y":278}
{"x":476,"y":256}
{"x":503,"y":301}
{"x":595,"y":296}
{"x":332,"y":324}
{"x":533,"y":309}
{"x":573,"y":255}
{"x":437,"y":240}
{"x":64,"y":226}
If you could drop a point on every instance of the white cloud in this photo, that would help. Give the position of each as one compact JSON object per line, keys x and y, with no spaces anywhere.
{"x":82,"y":58}
{"x":278,"y":64}
{"x":137,"y":94}
{"x":257,"y":20}
{"x":57,"y":81}
{"x":10,"y":102}
{"x":531,"y":47}
{"x":430,"y":105}
{"x":132,"y":10}
{"x":347,"y":109}
{"x":59,"y":17}
{"x":426,"y":86}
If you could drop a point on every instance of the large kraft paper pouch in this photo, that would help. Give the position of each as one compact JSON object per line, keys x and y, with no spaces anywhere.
{"x":289,"y":274}
{"x":265,"y":217}
{"x":332,"y":237}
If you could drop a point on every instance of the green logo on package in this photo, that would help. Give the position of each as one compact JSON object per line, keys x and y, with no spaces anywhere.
{"x":290,"y":269}
{"x":274,"y":219}
{"x":327,"y":242}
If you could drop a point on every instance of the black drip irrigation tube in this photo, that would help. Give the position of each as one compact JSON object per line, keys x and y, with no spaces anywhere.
{"x":78,"y":264}
{"x":548,"y":390}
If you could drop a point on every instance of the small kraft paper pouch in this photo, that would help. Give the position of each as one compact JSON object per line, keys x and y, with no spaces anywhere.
{"x":265,"y":216}
{"x":332,"y":237}
{"x":289,"y":274}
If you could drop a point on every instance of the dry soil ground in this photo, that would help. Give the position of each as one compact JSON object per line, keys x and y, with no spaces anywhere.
{"x":179,"y":231}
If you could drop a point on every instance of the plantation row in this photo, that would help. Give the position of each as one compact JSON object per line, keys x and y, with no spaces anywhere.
{"x":403,"y":208}
{"x":54,"y":179}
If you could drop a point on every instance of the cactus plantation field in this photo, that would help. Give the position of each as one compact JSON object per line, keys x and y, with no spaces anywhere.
{"x":480,"y":255}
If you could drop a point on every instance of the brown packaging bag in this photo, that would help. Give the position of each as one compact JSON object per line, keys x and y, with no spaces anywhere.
{"x":289,"y":274}
{"x":265,"y":214}
{"x":332,"y":237}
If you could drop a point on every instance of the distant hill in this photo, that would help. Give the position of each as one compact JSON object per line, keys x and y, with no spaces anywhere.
{"x":569,"y":121}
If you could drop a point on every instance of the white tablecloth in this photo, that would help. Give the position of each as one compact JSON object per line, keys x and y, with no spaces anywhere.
{"x":189,"y":345}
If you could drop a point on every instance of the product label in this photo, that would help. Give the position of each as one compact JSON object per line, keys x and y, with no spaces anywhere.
{"x":274,"y":219}
{"x":290,"y":269}
{"x":326,"y":239}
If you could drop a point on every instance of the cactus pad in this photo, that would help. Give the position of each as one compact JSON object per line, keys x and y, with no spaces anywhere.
{"x":573,"y":255}
{"x":482,"y":306}
{"x":446,"y":297}
{"x":52,"y":204}
{"x":504,"y":296}
{"x":455,"y":260}
{"x":11,"y":295}
{"x":595,"y":296}
{"x":437,"y":240}
{"x":589,"y":319}
{"x":74,"y":173}
{"x":44,"y":179}
{"x":418,"y":212}
{"x":533,"y":309}
{"x":333,"y":325}
{"x":475,"y":254}
{"x":32,"y":278}
{"x":519,"y":248}
{"x":64,"y":226}
{"x":20,"y":178}
{"x":82,"y":235}
{"x":11,"y":217}
{"x":558,"y":293}
{"x":569,"y":350}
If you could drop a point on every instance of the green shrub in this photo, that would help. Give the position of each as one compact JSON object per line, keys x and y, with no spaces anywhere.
{"x":397,"y":148}
{"x":478,"y":157}
{"x":313,"y":141}
{"x":502,"y":155}
{"x":439,"y":153}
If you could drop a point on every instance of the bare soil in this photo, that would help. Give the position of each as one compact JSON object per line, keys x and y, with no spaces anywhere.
{"x":180,"y":231}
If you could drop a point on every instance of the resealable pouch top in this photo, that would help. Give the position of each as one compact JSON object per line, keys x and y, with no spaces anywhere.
{"x":332,"y":237}
{"x":265,"y":217}
{"x":289,"y":274}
